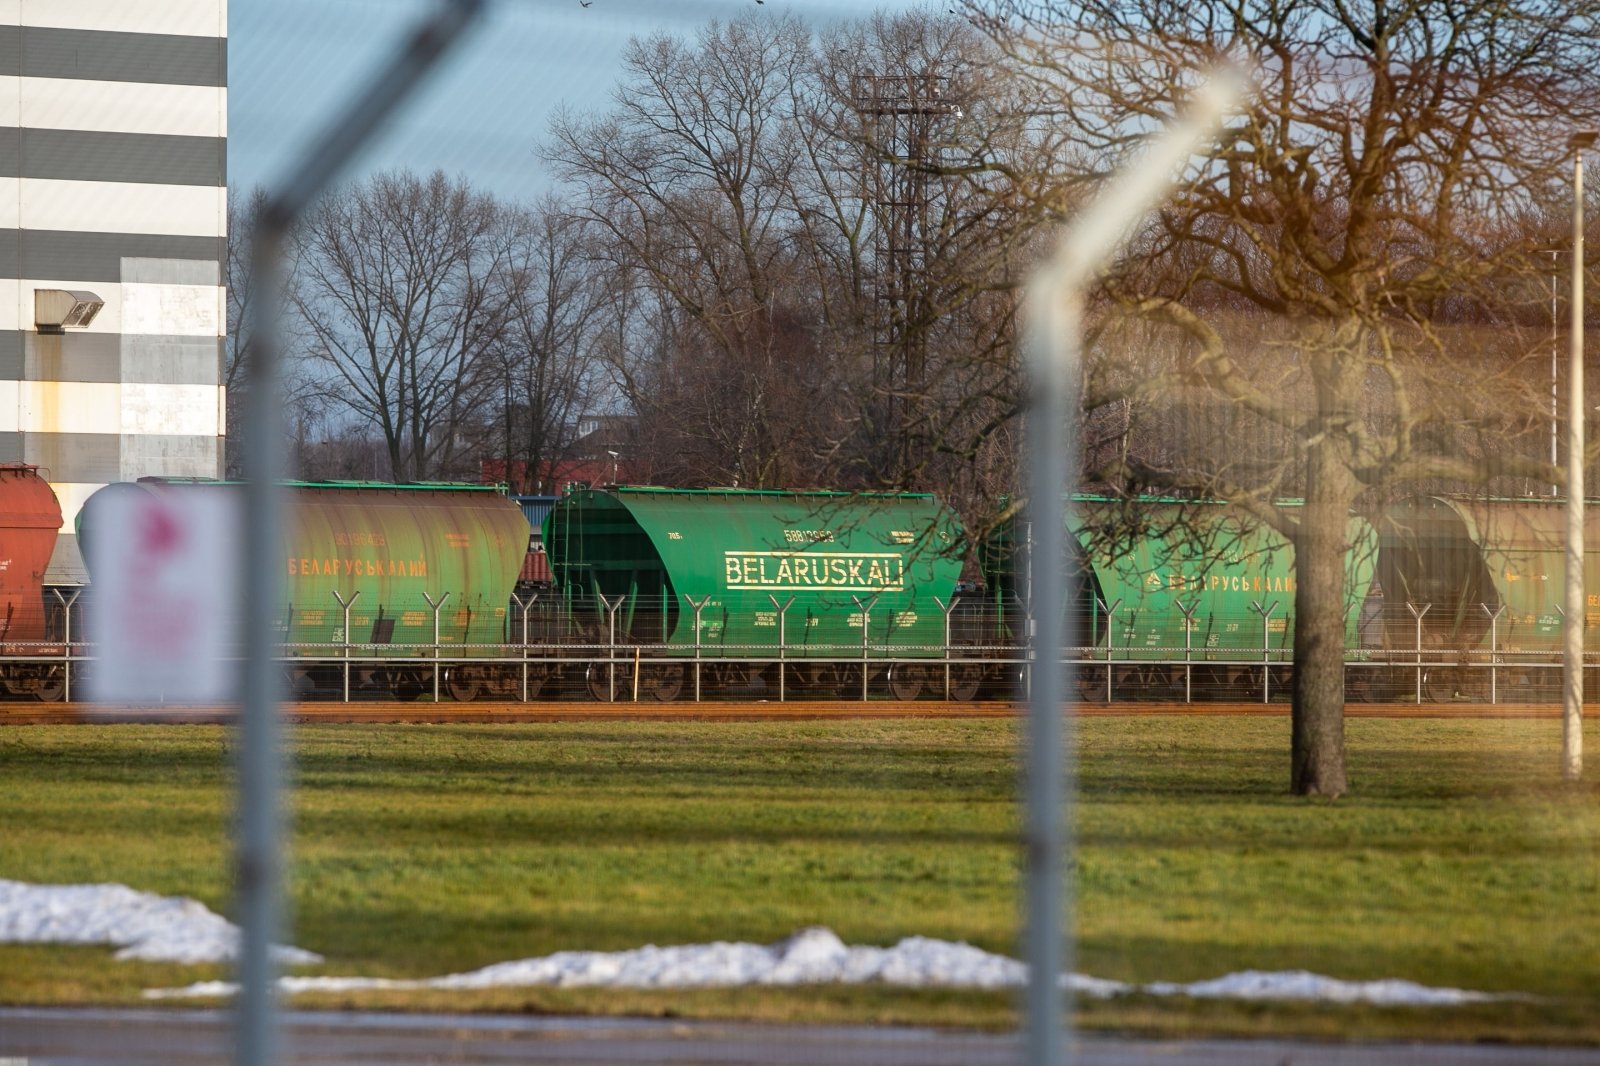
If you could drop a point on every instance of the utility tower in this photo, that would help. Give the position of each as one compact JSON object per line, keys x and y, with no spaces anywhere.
{"x":900,"y":114}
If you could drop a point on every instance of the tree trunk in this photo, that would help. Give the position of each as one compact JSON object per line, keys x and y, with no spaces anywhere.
{"x":1317,"y":749}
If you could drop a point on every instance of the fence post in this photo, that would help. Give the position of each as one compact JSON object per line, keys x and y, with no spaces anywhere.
{"x":1111,"y":632}
{"x":345,"y":604}
{"x":1494,"y":650}
{"x":1418,"y":649}
{"x":611,"y":642}
{"x":66,"y":618}
{"x":527,"y":607}
{"x":783,"y":610}
{"x":866,"y":626}
{"x":947,"y":609}
{"x":436,"y":607}
{"x":1561,"y":611}
{"x":698,"y":607}
{"x":1188,"y":647}
{"x":523,"y":611}
{"x":1266,"y":646}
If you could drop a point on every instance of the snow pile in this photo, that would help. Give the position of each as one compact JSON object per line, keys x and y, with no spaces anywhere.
{"x":146,"y":926}
{"x":818,"y":956}
{"x":178,"y":929}
{"x":1301,"y":984}
{"x":811,"y":956}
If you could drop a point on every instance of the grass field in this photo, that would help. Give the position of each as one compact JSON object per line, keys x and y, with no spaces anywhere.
{"x":1459,"y":859}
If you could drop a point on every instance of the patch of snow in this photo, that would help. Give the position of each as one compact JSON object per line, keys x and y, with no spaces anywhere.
{"x":818,"y":956}
{"x":1301,"y":984}
{"x":146,"y":926}
{"x":178,"y":929}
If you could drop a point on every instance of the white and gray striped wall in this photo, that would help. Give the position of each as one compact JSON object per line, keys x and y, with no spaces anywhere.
{"x":113,"y":179}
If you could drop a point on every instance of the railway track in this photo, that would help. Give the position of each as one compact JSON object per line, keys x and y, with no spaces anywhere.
{"x":483,"y":712}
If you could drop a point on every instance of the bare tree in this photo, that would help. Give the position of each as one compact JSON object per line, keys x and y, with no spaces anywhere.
{"x":685,"y":177}
{"x":1336,"y":280}
{"x":912,"y":136}
{"x":796,"y":323}
{"x":401,"y":289}
{"x":303,"y":402}
{"x":241,"y":296}
{"x":546,"y":361}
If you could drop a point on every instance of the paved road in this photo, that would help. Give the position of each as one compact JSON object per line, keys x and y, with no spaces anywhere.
{"x":193,"y":1037}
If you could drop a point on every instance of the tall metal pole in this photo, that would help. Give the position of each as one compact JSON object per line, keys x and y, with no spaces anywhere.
{"x":1051,"y":352}
{"x":257,"y":857}
{"x":1575,"y":616}
{"x":1555,"y":407}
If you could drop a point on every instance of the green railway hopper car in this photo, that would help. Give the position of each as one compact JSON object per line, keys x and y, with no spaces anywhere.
{"x":1486,"y":575}
{"x":809,"y":576}
{"x":1235,"y":577}
{"x":411,"y":567}
{"x":1159,"y":582}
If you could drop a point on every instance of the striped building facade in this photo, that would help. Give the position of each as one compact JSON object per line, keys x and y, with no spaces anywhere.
{"x":113,"y":180}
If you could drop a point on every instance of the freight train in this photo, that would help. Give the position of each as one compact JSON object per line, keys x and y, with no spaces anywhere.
{"x":625,"y":593}
{"x":756,"y":591}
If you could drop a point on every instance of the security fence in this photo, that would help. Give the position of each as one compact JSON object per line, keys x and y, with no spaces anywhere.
{"x":545,"y":646}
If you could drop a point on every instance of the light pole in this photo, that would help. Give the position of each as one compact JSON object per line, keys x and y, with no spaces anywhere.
{"x":1555,"y":410}
{"x":1574,"y":618}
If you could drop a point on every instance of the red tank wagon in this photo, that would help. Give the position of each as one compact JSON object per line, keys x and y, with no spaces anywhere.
{"x":30,"y":518}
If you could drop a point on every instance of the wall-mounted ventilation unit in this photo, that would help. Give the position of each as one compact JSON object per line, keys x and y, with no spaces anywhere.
{"x":55,"y":310}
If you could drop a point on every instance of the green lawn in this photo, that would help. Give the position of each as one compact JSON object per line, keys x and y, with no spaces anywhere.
{"x":1458,"y":859}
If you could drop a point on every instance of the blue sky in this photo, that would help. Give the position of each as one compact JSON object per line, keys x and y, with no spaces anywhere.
{"x":292,"y":64}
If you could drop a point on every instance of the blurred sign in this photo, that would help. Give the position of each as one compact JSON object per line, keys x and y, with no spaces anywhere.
{"x":166,"y":598}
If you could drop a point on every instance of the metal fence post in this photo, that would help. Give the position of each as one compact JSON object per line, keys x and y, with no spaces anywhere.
{"x":1418,"y":649}
{"x":947,"y":610}
{"x":66,"y":621}
{"x":345,"y":604}
{"x":506,"y":648}
{"x":783,"y":610}
{"x":698,"y":607}
{"x":1266,"y":646}
{"x":436,"y":607}
{"x":257,"y":860}
{"x":611,"y":642}
{"x":1494,"y":650}
{"x":1053,"y":321}
{"x":526,"y":607}
{"x":1111,"y":632}
{"x":1188,"y":647}
{"x":866,"y":625}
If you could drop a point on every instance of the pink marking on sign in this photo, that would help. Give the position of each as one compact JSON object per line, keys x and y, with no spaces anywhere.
{"x":159,"y":532}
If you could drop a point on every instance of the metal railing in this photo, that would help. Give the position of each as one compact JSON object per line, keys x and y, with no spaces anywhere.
{"x":584,"y":650}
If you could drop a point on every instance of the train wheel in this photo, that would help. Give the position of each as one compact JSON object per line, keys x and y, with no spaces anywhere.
{"x":664,"y":683}
{"x":1091,"y":684}
{"x":905,"y":681}
{"x":608,"y":682}
{"x":52,"y":684}
{"x":806,"y":679}
{"x":1455,"y":684}
{"x":462,"y":683}
{"x":407,"y":685}
{"x":965,"y":682}
{"x":538,"y":674}
{"x":1361,"y":687}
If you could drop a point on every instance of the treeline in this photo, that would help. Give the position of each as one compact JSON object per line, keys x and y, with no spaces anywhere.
{"x":790,"y":257}
{"x":786,"y":256}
